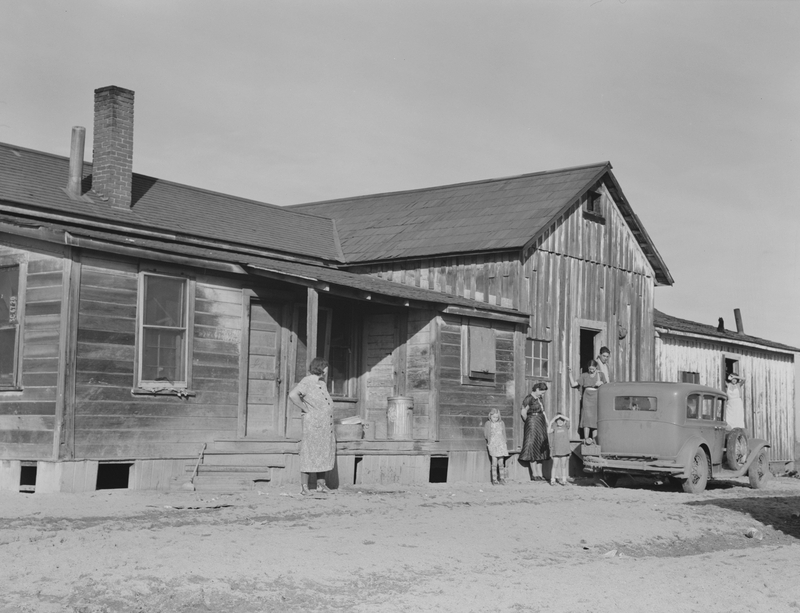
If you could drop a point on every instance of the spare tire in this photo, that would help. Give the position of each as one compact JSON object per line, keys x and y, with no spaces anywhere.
{"x":736,"y":449}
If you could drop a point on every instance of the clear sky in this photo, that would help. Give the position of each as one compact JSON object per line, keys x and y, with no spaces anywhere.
{"x":694,"y":103}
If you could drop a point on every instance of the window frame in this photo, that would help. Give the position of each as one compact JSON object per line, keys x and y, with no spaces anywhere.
{"x":19,"y":261}
{"x":150,"y":386}
{"x":694,"y":377}
{"x":530,"y":374}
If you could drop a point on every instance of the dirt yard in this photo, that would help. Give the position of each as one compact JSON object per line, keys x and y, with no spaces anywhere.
{"x":463,"y":547}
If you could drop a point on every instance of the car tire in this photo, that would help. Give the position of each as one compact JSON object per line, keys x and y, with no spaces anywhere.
{"x":736,"y":449}
{"x":759,"y":473}
{"x":698,"y":473}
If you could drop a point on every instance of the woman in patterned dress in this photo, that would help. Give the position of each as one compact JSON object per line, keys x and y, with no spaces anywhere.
{"x":535,"y":446}
{"x":318,"y":445}
{"x":588,"y":383}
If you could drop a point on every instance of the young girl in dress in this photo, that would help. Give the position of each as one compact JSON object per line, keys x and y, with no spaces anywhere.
{"x":495,"y":432}
{"x":535,"y":446}
{"x":559,"y":428}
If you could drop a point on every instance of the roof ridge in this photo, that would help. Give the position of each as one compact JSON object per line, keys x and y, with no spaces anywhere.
{"x":450,"y":185}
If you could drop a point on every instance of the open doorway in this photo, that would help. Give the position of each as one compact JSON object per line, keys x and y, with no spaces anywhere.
{"x":591,"y":336}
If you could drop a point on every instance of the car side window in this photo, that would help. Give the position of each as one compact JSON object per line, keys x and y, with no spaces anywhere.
{"x":693,"y":406}
{"x":708,"y":407}
{"x":720,"y":410}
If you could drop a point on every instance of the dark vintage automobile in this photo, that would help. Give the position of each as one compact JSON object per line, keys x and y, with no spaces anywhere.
{"x":671,"y":430}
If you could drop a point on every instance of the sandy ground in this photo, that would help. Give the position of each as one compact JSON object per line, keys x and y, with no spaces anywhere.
{"x":463,"y":547}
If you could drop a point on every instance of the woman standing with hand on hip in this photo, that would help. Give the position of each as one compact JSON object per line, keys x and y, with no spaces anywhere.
{"x":318,"y":445}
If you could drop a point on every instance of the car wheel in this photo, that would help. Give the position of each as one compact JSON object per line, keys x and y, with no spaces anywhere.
{"x":759,"y":473}
{"x":736,"y":449}
{"x":698,"y":473}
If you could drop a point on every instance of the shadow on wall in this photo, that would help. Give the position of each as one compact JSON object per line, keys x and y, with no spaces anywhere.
{"x":775,"y":511}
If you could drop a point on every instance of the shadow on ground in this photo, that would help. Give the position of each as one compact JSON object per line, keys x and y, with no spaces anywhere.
{"x":780,"y":512}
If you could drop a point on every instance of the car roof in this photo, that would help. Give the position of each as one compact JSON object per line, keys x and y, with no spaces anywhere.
{"x":659,"y":387}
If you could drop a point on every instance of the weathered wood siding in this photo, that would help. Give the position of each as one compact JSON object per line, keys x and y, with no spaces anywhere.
{"x":464,"y":407}
{"x":380,"y":342}
{"x":492,"y":278}
{"x":420,"y":358}
{"x":27,"y":417}
{"x":769,"y":388}
{"x":111,"y":422}
{"x":596,"y":272}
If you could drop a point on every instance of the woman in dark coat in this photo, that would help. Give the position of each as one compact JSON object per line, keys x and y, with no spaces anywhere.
{"x":535,"y":446}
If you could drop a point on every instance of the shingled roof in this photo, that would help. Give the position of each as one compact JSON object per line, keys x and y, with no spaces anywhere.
{"x":669,"y":324}
{"x":489,"y":215}
{"x":36,"y":181}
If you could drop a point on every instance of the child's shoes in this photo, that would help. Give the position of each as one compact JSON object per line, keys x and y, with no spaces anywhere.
{"x":552,"y":481}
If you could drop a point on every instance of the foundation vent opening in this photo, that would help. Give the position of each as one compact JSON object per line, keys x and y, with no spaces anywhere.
{"x":356,"y":468}
{"x":438,"y":472}
{"x":27,"y":478}
{"x":113,"y":476}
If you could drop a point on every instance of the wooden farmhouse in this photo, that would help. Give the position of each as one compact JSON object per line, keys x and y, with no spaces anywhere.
{"x":150,"y":329}
{"x":697,"y":353}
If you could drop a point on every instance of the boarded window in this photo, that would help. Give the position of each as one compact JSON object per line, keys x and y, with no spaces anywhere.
{"x":537,"y":358}
{"x":481,"y":352}
{"x":9,"y":325}
{"x":163,"y":334}
{"x":690,"y":377}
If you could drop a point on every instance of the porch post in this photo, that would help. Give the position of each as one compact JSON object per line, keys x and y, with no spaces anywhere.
{"x":312,"y":312}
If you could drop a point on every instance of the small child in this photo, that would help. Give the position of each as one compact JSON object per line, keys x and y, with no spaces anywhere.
{"x":559,"y":426}
{"x":495,"y":432}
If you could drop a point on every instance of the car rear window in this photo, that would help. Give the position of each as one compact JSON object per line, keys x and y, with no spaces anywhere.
{"x":635,"y":403}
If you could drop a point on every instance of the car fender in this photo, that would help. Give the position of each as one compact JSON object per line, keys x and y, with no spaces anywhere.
{"x":754,"y":447}
{"x":685,"y":455}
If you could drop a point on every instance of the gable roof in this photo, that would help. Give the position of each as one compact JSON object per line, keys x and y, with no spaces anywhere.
{"x":675,"y":325}
{"x":490,"y":215}
{"x":36,"y":180}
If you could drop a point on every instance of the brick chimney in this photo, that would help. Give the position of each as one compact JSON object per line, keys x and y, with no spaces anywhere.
{"x":112,"y":164}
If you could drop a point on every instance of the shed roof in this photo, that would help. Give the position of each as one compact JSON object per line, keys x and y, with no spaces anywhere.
{"x":675,"y":325}
{"x":36,"y":180}
{"x":489,"y":215}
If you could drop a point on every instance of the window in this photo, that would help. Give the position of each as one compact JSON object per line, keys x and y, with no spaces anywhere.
{"x":690,"y":377}
{"x":635,"y":403}
{"x":164,"y":332}
{"x":593,"y":206}
{"x":708,"y":407}
{"x":537,"y":358}
{"x":693,"y":406}
{"x":719,"y":413}
{"x":479,"y":353}
{"x":9,"y":326}
{"x":335,"y":341}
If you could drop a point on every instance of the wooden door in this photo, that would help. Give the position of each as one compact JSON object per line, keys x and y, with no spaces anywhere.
{"x":264,"y":385}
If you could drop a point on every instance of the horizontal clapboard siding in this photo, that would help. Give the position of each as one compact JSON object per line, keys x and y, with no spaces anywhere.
{"x":111,"y":422}
{"x":27,"y":417}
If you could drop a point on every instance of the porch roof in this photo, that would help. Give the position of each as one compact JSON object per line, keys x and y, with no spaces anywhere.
{"x":362,"y":287}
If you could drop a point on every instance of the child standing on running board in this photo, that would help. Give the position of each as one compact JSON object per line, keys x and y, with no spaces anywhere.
{"x":560,"y":450}
{"x":495,"y":432}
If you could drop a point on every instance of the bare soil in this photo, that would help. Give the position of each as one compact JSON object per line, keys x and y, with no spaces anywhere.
{"x":445,"y":547}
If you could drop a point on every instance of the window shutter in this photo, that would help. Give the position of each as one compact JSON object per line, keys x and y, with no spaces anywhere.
{"x":481,"y":352}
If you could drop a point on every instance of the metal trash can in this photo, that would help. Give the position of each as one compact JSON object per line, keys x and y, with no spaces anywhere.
{"x":400,"y":417}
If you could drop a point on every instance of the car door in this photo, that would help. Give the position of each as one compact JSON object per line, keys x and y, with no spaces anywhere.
{"x":712,"y":428}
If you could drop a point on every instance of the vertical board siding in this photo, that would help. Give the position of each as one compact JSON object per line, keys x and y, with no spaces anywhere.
{"x":27,"y":417}
{"x":111,"y":422}
{"x":380,"y":341}
{"x":464,"y":408}
{"x":419,"y":371}
{"x":768,"y":390}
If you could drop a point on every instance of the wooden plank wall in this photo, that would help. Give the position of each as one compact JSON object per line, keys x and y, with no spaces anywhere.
{"x":27,"y":418}
{"x":380,"y":343}
{"x":584,"y":270}
{"x":420,"y":356}
{"x":769,"y":390}
{"x":111,"y":422}
{"x":492,"y":278}
{"x":464,"y":408}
